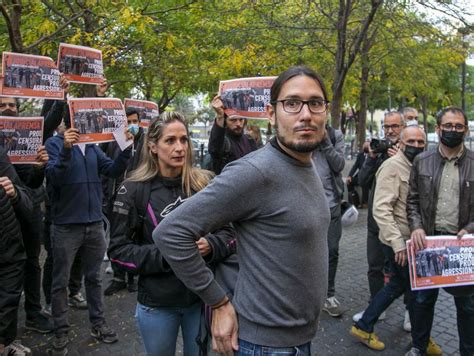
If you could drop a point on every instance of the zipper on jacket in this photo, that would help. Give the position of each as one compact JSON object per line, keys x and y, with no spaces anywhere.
{"x":88,"y":187}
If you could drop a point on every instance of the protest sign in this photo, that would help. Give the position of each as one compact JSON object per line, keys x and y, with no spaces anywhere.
{"x":147,"y":110}
{"x":21,"y":137}
{"x":97,"y":118}
{"x":445,"y":262}
{"x":29,"y":76}
{"x":246,"y":97}
{"x":81,"y":64}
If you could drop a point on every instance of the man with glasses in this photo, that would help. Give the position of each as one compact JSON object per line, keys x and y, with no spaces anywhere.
{"x":392,"y":126}
{"x":440,"y":203}
{"x":410,"y":115}
{"x":276,"y":202}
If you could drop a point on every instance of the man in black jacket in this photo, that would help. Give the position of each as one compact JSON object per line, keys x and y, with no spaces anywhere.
{"x":440,"y":202}
{"x":392,"y":126}
{"x":15,"y":206}
{"x":227,"y":141}
{"x":352,"y":179}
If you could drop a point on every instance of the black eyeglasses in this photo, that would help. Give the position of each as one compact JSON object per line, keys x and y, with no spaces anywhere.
{"x":294,"y":106}
{"x":457,"y":127}
{"x":393,"y":127}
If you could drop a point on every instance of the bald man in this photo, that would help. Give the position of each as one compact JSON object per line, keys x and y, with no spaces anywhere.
{"x":389,"y":210}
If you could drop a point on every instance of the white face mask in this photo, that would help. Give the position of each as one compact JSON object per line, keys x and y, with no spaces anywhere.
{"x":411,"y":123}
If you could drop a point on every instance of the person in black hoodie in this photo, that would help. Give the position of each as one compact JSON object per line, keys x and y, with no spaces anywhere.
{"x":111,"y":185}
{"x":227,"y":141}
{"x":32,"y":176}
{"x":163,"y":181}
{"x":15,"y":206}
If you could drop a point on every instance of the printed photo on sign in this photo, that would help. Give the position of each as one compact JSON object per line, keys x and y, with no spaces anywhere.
{"x":445,"y":262}
{"x":21,"y":137}
{"x":246,"y":97}
{"x":29,"y":76}
{"x":147,"y":110}
{"x":81,"y":64}
{"x":97,"y":118}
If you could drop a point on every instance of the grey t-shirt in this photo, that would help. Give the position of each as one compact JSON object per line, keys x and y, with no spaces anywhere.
{"x":281,"y":218}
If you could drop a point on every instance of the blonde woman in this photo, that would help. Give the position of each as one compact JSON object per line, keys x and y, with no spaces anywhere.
{"x":163,"y":180}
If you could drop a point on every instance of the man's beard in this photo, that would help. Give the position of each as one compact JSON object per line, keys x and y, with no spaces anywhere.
{"x":233,"y":133}
{"x":8,"y":112}
{"x":302,"y":147}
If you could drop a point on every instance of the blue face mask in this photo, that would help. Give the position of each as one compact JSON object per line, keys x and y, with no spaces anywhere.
{"x":133,"y":128}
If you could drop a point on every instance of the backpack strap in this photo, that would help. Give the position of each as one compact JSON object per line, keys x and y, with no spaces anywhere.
{"x":141,"y":200}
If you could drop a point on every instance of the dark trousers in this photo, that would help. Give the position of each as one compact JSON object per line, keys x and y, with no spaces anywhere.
{"x":11,"y":285}
{"x":376,"y":261}
{"x":352,"y":188}
{"x":334,"y":236}
{"x":32,"y":279}
{"x":88,"y":240}
{"x":399,"y":284}
{"x":76,"y":270}
{"x":423,"y":314}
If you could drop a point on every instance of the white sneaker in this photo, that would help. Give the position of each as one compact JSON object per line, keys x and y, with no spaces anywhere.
{"x":16,"y":349}
{"x":332,"y":307}
{"x":406,"y":322}
{"x":106,"y":258}
{"x":359,"y":316}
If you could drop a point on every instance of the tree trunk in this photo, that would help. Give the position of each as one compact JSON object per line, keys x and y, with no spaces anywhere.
{"x":13,"y":23}
{"x":336,"y":105}
{"x":363,"y":97}
{"x":424,"y":110}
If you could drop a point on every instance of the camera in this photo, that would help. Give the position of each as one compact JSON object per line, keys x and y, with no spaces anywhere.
{"x":380,"y":146}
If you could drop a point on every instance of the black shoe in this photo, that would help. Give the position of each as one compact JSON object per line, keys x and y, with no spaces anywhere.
{"x":60,"y":344}
{"x":115,"y":287}
{"x":40,"y":324}
{"x":104,"y":333}
{"x":132,"y":286}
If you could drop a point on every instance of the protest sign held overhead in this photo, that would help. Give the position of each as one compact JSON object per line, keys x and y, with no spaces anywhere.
{"x":81,"y":64}
{"x":445,"y":262}
{"x":97,"y":118}
{"x":21,"y":137}
{"x":147,"y":110}
{"x":29,"y":76}
{"x":246,"y":97}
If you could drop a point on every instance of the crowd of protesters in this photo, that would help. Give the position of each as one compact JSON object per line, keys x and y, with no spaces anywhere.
{"x":177,"y":228}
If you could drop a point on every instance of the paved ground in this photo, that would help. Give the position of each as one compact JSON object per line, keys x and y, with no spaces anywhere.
{"x":332,"y":337}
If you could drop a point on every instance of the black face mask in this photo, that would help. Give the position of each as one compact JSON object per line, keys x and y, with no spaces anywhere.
{"x":451,"y":138}
{"x":7,"y":112}
{"x":411,"y":152}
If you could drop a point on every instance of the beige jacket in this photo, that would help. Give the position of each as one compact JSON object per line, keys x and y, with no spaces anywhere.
{"x":390,"y":201}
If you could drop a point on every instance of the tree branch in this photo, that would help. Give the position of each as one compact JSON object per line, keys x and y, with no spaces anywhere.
{"x":45,"y":38}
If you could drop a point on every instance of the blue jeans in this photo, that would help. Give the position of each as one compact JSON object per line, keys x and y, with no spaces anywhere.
{"x":247,"y":348}
{"x":159,"y":328}
{"x":423,"y":313}
{"x":399,"y":283}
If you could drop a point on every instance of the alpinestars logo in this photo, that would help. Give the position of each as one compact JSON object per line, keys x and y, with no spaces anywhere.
{"x":170,"y":207}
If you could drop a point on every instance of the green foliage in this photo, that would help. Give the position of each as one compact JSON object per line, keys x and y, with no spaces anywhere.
{"x":166,"y":50}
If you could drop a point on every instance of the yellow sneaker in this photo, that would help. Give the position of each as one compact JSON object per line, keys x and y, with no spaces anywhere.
{"x":369,"y":339}
{"x":433,"y":348}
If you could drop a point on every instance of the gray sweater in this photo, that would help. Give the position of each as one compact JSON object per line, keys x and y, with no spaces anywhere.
{"x":281,"y":218}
